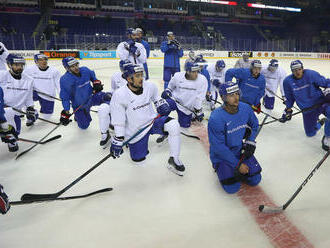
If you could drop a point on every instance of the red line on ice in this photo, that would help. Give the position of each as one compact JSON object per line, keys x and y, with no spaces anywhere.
{"x":278,"y":228}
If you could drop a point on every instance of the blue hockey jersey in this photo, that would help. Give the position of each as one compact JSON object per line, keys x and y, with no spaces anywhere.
{"x":172,"y":55}
{"x":226,"y":132}
{"x":2,"y":105}
{"x":76,"y":90}
{"x":146,"y":46}
{"x":305,"y":91}
{"x":252,"y":89}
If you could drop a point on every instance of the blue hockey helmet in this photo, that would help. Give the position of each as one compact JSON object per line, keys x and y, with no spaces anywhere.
{"x":296,"y":64}
{"x":200,"y":59}
{"x":131,"y":31}
{"x":220,"y":64}
{"x":69,"y":61}
{"x":14,"y":59}
{"x":273,"y":63}
{"x":39,"y":56}
{"x":191,"y":66}
{"x":228,"y":88}
{"x":256,"y":63}
{"x":123,"y":63}
{"x":131,"y":69}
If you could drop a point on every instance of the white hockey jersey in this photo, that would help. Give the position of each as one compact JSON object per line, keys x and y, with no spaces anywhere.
{"x":131,"y":112}
{"x":273,"y":80}
{"x":242,"y":64}
{"x":214,"y":74}
{"x":190,"y":93}
{"x":47,"y":82}
{"x":17,"y":93}
{"x":117,"y":81}
{"x":139,"y":58}
{"x":3,"y":57}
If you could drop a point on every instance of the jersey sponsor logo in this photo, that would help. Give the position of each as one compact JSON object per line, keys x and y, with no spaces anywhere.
{"x":84,"y":84}
{"x":186,"y":88}
{"x":14,"y":88}
{"x":253,"y":86}
{"x":141,"y":106}
{"x":46,"y":78}
{"x":300,"y":88}
{"x":237,"y":128}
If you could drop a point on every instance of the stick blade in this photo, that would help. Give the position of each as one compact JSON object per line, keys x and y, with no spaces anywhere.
{"x":270,"y":210}
{"x":37,"y":197}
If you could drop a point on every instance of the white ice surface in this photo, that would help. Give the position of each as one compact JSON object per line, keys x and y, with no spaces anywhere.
{"x":150,"y":206}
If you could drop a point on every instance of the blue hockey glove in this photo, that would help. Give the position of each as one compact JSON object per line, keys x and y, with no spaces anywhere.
{"x":216,"y":82}
{"x":167,"y":94}
{"x":287,"y":115}
{"x":4,"y":202}
{"x":163,"y":108}
{"x":130,"y":42}
{"x":132,"y":49}
{"x":248,"y":149}
{"x":116,"y":148}
{"x":199,"y":115}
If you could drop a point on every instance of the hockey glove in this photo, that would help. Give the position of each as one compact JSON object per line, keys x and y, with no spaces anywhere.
{"x":216,"y":82}
{"x":326,"y":94}
{"x":31,"y":115}
{"x":167,"y":94}
{"x":163,"y":108}
{"x":287,"y":115}
{"x":97,"y":86}
{"x":116,"y":148}
{"x":7,"y":133}
{"x":199,"y":115}
{"x":208,"y":96}
{"x":130,"y":42}
{"x":248,"y":149}
{"x":132,"y":49}
{"x":65,"y":117}
{"x":257,"y":108}
{"x":4,"y":202}
{"x":106,"y":98}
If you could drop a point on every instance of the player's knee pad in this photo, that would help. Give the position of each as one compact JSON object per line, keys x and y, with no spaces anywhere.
{"x":232,"y":188}
{"x":103,"y":110}
{"x":139,"y":162}
{"x":172,"y":127}
{"x":254,"y":180}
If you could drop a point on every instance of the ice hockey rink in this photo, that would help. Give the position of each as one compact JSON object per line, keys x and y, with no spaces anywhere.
{"x":151,"y":207}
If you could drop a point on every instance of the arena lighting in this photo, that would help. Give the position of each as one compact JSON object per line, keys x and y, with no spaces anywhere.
{"x":262,"y":6}
{"x":214,"y":1}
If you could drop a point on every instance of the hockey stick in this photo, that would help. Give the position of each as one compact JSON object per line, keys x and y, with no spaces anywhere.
{"x":39,"y":118}
{"x":38,"y":142}
{"x":298,"y":112}
{"x":56,"y":98}
{"x":62,"y":198}
{"x":272,"y":92}
{"x":35,"y":197}
{"x":268,"y":209}
{"x":190,"y":136}
{"x":42,"y":142}
{"x":262,"y":124}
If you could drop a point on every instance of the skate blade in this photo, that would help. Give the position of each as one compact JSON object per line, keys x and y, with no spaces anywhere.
{"x":179,"y":173}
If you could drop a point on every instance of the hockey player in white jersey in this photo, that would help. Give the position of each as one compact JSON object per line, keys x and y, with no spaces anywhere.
{"x":17,"y":90}
{"x":3,"y":56}
{"x":217,"y":74}
{"x":244,"y":62}
{"x":132,"y":50}
{"x":132,"y":109}
{"x":46,"y":82}
{"x":185,"y":94}
{"x":274,"y":75}
{"x":117,"y":81}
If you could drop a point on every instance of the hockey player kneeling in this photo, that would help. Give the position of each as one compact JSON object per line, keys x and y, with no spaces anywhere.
{"x":232,"y":130}
{"x":131,"y":110}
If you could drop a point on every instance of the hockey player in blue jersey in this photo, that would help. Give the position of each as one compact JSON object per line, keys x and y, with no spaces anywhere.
{"x":303,"y":87}
{"x":76,"y":90}
{"x":251,"y":83}
{"x":232,"y":130}
{"x":146,"y":45}
{"x":173,"y":52}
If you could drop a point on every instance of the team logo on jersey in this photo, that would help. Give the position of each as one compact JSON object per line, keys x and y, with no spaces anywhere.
{"x":14,"y":88}
{"x":141,"y":106}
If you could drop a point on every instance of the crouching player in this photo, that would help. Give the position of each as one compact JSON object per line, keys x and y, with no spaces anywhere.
{"x":232,"y":130}
{"x":131,"y":110}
